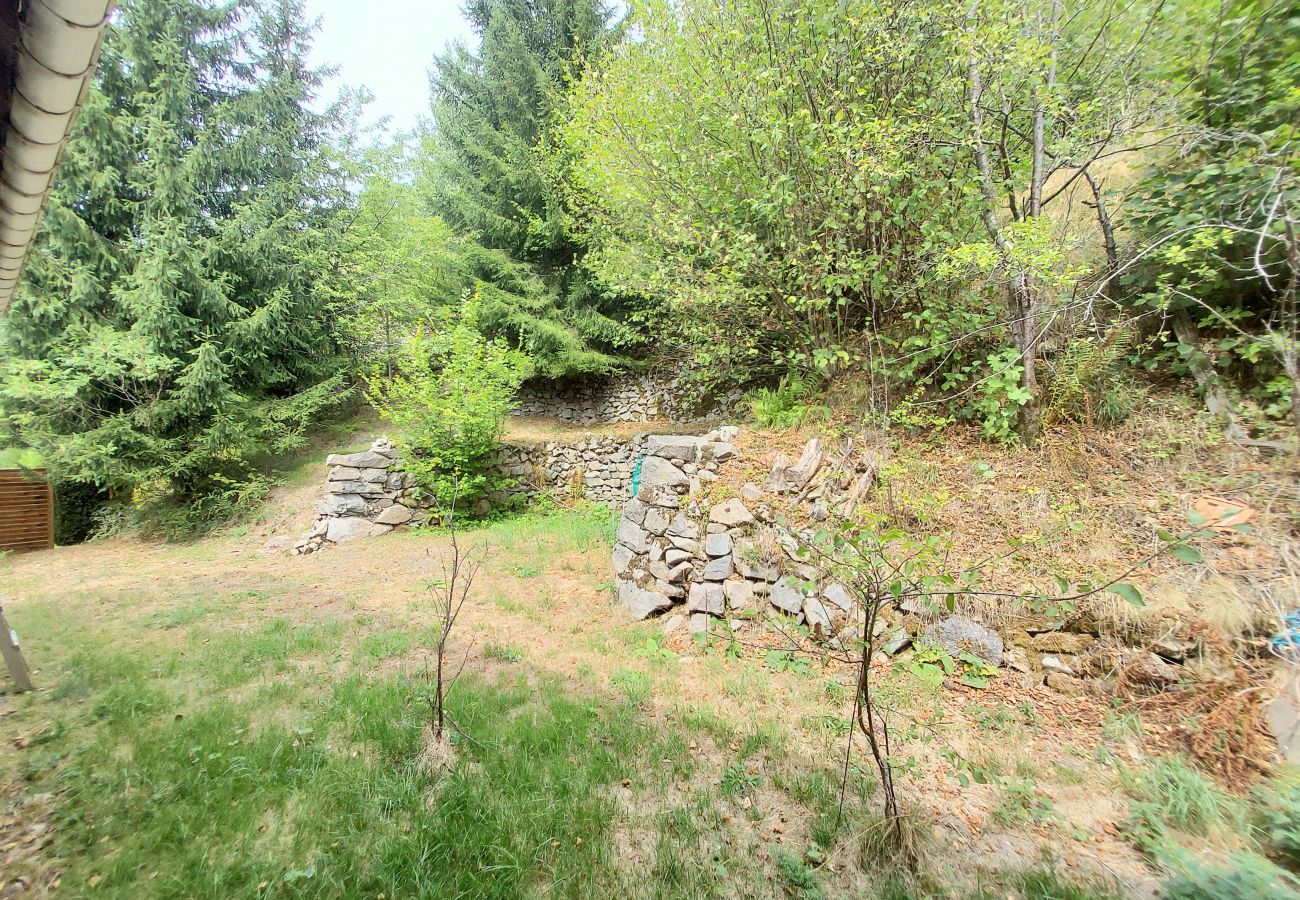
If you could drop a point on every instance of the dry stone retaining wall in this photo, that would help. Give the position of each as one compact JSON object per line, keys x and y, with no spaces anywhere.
{"x":366,"y":494}
{"x":598,"y":468}
{"x":635,"y":398}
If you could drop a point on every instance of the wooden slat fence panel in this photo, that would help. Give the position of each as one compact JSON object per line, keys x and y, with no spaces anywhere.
{"x":26,"y":510}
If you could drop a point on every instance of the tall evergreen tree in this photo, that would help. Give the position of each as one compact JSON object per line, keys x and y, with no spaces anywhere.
{"x":169,"y":327}
{"x":489,"y":177}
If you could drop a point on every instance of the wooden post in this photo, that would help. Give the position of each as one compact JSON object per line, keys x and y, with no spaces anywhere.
{"x":13,"y":656}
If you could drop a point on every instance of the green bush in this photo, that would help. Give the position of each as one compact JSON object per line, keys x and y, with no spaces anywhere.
{"x":448,"y":401}
{"x":787,"y":405}
{"x":1246,"y":877}
{"x":1277,"y":815}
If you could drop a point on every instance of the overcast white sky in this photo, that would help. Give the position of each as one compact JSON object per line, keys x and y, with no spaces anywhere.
{"x":388,"y":46}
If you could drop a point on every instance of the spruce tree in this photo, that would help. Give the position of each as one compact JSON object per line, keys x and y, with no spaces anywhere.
{"x":489,"y":176}
{"x":169,"y":328}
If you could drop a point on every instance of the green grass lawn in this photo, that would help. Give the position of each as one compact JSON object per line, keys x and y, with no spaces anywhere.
{"x":224,"y":746}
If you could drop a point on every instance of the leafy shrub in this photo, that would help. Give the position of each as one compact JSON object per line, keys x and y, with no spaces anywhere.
{"x":449,"y":400}
{"x":1247,"y":877}
{"x":787,"y":405}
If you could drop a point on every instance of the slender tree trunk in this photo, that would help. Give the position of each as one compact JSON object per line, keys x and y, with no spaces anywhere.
{"x":1207,"y":380}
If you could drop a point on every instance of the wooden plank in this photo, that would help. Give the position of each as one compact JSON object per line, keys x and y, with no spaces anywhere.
{"x":13,"y":656}
{"x":26,"y":510}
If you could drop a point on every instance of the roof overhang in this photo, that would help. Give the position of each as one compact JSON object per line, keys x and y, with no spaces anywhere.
{"x":48,"y":51}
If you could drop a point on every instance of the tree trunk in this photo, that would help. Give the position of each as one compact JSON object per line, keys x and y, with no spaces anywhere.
{"x":1207,"y":380}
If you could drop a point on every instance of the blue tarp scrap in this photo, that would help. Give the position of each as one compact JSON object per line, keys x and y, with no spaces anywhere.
{"x":1287,"y":643}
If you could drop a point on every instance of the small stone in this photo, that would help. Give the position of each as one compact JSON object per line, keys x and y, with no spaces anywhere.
{"x":699,"y":623}
{"x":1020,"y":660}
{"x":722,"y":451}
{"x":343,"y":473}
{"x":1055,"y":664}
{"x":718,"y":544}
{"x":895,"y":641}
{"x":1064,"y":684}
{"x":728,"y":432}
{"x":394,"y":515}
{"x":674,"y":623}
{"x":715,"y":528}
{"x":718,"y":569}
{"x":1062,"y":642}
{"x":751,"y":492}
{"x":675,"y":555}
{"x":787,"y":595}
{"x":731,"y":513}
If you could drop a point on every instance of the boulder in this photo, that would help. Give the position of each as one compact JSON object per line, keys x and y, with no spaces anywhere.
{"x":706,"y":598}
{"x":675,"y":555}
{"x":682,"y":527}
{"x":640,"y":601}
{"x":719,"y":569}
{"x":731,"y":513}
{"x":622,"y":559}
{"x":958,"y":634}
{"x":342,"y":505}
{"x":394,"y":515}
{"x":347,"y":528}
{"x":635,"y":510}
{"x":787,"y":595}
{"x":718,"y":544}
{"x":1149,"y":669}
{"x":839,"y":595}
{"x":656,"y":520}
{"x":657,"y":472}
{"x":739,"y":593}
{"x":818,"y":615}
{"x":682,"y":447}
{"x":367,"y":459}
{"x":632,"y":535}
{"x":721,"y":451}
